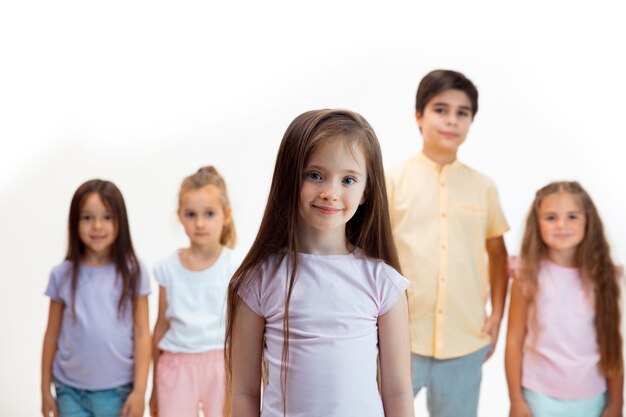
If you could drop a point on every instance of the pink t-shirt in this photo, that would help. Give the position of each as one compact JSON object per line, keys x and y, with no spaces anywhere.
{"x":333,"y":318}
{"x":561,"y":354}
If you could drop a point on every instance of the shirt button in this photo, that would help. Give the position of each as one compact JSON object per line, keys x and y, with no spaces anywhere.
{"x":443,"y":215}
{"x":443,"y":246}
{"x":440,"y":311}
{"x":443,"y":184}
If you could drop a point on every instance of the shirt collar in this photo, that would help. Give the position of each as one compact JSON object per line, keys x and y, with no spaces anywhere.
{"x":436,"y":166}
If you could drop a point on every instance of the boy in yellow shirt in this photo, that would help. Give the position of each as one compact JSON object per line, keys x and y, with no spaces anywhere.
{"x":447,"y":222}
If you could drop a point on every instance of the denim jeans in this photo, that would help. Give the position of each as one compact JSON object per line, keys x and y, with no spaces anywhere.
{"x":452,"y":385}
{"x":74,"y":402}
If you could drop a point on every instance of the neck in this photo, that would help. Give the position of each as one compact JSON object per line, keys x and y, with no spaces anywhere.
{"x":96,"y":258}
{"x":442,"y":158}
{"x":318,"y":242}
{"x":563,"y":258}
{"x":198,"y":258}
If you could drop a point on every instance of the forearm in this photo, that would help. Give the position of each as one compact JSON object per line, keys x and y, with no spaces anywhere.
{"x":160,"y":329}
{"x":248,"y":405}
{"x":143,"y":348}
{"x":499,"y":282}
{"x":398,"y":403}
{"x":615,"y":388}
{"x":47,"y":356}
{"x":513,"y":369}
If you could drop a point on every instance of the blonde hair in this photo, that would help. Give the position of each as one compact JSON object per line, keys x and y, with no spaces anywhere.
{"x":208,"y":175}
{"x":593,"y":258}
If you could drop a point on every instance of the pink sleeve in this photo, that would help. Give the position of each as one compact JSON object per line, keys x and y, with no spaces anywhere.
{"x":250,"y":291}
{"x":391,"y":285}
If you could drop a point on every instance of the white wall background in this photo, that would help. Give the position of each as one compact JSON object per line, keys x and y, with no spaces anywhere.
{"x":145,"y":93}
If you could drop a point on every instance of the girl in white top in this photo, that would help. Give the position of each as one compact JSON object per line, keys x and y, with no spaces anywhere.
{"x":564,"y":347}
{"x":318,"y":303}
{"x":189,"y":332}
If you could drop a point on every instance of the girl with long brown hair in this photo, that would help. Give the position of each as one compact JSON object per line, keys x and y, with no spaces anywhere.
{"x":564,"y":347}
{"x":318,"y":303}
{"x":96,"y":350}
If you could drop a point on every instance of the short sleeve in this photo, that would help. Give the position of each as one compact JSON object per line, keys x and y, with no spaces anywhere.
{"x":54,"y":285}
{"x":496,"y":222}
{"x":250,"y":291}
{"x":391,"y":286}
{"x":143,"y":286}
{"x":159,"y":275}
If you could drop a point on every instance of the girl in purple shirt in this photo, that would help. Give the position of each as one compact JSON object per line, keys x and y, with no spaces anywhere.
{"x":96,"y":349}
{"x":564,"y":347}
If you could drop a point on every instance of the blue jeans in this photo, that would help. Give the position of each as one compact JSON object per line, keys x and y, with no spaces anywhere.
{"x":452,"y":385}
{"x":74,"y":402}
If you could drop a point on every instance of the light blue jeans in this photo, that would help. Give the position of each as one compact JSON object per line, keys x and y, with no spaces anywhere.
{"x":74,"y":402}
{"x":543,"y":406}
{"x":452,"y":385}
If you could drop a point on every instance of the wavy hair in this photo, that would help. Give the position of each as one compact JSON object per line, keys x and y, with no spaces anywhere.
{"x":593,"y":258}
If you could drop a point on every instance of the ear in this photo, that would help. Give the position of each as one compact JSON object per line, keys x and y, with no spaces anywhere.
{"x":418,"y":118}
{"x":228,"y":215}
{"x":363,"y":198}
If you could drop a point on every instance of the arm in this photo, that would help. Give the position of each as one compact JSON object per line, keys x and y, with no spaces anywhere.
{"x":135,"y":403}
{"x":514,"y":350}
{"x":50,"y":340}
{"x":395,"y":361}
{"x":247,"y":353}
{"x":499,"y":282}
{"x":160,"y":328}
{"x":615,"y":385}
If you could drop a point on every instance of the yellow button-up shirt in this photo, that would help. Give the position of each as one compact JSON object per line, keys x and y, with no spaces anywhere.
{"x":441,"y":217}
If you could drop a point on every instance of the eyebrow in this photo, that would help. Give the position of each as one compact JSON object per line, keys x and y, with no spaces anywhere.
{"x":444,"y":104}
{"x":319,"y":168}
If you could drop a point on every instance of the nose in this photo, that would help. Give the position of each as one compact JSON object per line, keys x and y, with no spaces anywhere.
{"x":97,"y":223}
{"x":329,"y":193}
{"x":452,"y":118}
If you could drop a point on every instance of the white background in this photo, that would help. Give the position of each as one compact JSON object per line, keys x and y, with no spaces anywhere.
{"x":145,"y":93}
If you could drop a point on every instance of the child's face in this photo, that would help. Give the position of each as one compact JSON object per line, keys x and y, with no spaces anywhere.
{"x":333,"y":186}
{"x":446,"y":120}
{"x":562,"y":226}
{"x":203,"y":216}
{"x":96,"y":226}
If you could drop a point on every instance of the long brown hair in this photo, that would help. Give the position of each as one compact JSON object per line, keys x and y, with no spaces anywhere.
{"x":122,"y":253}
{"x":593,"y":258}
{"x":208,"y":175}
{"x":369,"y":229}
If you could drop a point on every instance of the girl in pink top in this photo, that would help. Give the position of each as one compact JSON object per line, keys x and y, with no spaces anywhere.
{"x":564,"y":347}
{"x":317,"y":305}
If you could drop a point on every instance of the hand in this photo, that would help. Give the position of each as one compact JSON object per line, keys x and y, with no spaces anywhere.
{"x":612,"y":410}
{"x":520,"y":409}
{"x":134,"y":405}
{"x":491,"y":328}
{"x":154,"y":405}
{"x":49,"y":405}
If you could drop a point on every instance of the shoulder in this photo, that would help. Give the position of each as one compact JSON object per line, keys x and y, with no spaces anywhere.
{"x":399,"y":171}
{"x":62,"y":272}
{"x":380,"y":271}
{"x":475,"y":175}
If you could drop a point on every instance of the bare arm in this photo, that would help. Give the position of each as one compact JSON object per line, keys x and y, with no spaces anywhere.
{"x":135,"y":403}
{"x":499,"y":282}
{"x":395,"y":361}
{"x":160,"y":328}
{"x":514,"y":350}
{"x":247,"y":352}
{"x":50,"y":340}
{"x":615,"y":385}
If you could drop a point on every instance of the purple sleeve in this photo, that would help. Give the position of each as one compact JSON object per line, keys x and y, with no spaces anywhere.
{"x":53,"y":290}
{"x":143,"y":286}
{"x":391,"y":286}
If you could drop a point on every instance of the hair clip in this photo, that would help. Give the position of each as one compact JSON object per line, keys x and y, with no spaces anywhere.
{"x":203,"y":171}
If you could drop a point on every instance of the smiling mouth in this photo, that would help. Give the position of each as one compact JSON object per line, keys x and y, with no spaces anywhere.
{"x":449,"y":135}
{"x":327,"y":210}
